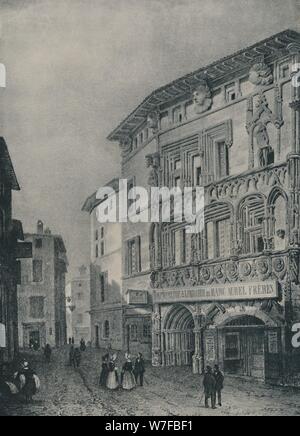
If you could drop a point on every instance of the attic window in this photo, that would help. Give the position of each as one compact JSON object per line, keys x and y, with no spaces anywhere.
{"x":231,"y":93}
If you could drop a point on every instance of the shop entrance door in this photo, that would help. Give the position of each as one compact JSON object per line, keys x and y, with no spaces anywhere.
{"x":244,"y":347}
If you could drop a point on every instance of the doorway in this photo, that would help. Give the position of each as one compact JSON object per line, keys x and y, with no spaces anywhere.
{"x":178,"y":338}
{"x":243,"y":341}
{"x":35,"y":340}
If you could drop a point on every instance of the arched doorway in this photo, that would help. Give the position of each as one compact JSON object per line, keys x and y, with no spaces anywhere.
{"x":243,"y":342}
{"x":178,"y":339}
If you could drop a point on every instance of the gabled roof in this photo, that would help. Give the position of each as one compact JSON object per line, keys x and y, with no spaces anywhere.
{"x":7,"y":172}
{"x":214,"y":73}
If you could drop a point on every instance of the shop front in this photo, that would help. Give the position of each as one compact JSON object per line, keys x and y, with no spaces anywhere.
{"x":242,"y":335}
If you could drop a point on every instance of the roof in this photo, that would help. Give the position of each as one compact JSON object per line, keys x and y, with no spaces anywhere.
{"x":6,"y":167}
{"x":215,"y":73}
{"x":92,"y":201}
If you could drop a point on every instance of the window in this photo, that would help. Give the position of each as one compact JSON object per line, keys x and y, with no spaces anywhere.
{"x":197,"y":168}
{"x":252,"y":215}
{"x":102,"y":232}
{"x":180,"y":246}
{"x":134,"y":256}
{"x":37,"y":266}
{"x":147,"y":331}
{"x":222,"y":160}
{"x":231,"y":93}
{"x":38,"y":243}
{"x":133,"y":331}
{"x":36,"y":307}
{"x":223,"y":238}
{"x":96,"y":235}
{"x":232,"y":346}
{"x":106,"y":330}
{"x":177,"y":115}
{"x":97,"y":251}
{"x":102,"y":246}
{"x":218,"y":230}
{"x":103,"y":282}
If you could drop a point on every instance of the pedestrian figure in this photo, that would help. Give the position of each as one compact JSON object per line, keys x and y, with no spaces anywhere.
{"x":47,"y":353}
{"x":77,"y":358}
{"x":104,"y":371}
{"x":28,"y":382}
{"x":73,"y":341}
{"x":128,"y":378}
{"x":139,"y":369}
{"x":209,"y":384}
{"x":82,"y":345}
{"x":219,"y":377}
{"x":112,"y":379}
{"x":70,"y":341}
{"x":71,"y":356}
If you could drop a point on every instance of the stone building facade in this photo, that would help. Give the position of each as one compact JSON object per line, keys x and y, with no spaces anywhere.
{"x":78,"y":306}
{"x":230,"y":294}
{"x":11,"y":249}
{"x":41,"y":294}
{"x":106,"y":299}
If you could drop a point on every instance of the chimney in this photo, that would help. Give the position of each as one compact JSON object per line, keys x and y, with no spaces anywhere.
{"x":40,"y":228}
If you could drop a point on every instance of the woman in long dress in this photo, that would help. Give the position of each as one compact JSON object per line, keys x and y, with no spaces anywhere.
{"x":112,"y":379}
{"x":128,"y":378}
{"x":104,"y":372}
{"x":29,"y":383}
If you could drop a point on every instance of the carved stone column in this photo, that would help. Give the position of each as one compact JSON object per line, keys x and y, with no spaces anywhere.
{"x":156,"y":337}
{"x":198,"y":357}
{"x":294,"y":199}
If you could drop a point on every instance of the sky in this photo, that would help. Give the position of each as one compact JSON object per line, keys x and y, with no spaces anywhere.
{"x":76,"y":68}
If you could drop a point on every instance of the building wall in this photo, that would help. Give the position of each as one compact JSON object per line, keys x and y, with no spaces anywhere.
{"x":106,"y":284}
{"x":79,"y":291}
{"x":51,"y":322}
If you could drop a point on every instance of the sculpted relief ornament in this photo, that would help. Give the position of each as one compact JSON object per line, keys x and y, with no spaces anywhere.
{"x":202,"y":98}
{"x":261,"y":74}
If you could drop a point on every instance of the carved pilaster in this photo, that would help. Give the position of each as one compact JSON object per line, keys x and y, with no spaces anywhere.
{"x":156,"y":336}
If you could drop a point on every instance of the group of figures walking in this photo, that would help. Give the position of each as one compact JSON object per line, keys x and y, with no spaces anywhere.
{"x":213,"y":384}
{"x":130,"y":376}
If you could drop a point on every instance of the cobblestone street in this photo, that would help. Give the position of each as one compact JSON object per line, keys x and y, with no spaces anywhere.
{"x":169,"y":392}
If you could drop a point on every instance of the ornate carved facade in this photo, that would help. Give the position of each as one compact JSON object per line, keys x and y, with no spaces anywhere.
{"x":232,"y":128}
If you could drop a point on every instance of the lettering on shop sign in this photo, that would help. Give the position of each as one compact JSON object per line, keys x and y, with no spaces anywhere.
{"x":228,"y":292}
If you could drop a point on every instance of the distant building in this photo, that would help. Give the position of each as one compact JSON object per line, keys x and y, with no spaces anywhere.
{"x":41,"y":296}
{"x":106,"y":278}
{"x":78,"y":307}
{"x":10,"y":250}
